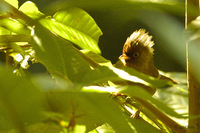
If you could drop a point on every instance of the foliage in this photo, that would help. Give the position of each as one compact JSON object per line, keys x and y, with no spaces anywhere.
{"x":78,"y":92}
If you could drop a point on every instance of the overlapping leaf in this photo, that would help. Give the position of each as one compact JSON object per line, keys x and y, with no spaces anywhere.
{"x":31,"y":10}
{"x":14,"y":26}
{"x":76,"y":26}
{"x":93,"y":109}
{"x":58,"y":55}
{"x":141,"y":93}
{"x":21,"y":101}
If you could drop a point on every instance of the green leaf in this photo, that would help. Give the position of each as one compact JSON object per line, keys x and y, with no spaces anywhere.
{"x":14,"y":26}
{"x":102,"y":74}
{"x":46,"y":82}
{"x":58,"y":55}
{"x":176,"y":97}
{"x":99,"y":75}
{"x":30,"y":9}
{"x":76,"y":26}
{"x":151,"y":80}
{"x":105,"y":128}
{"x":13,"y":3}
{"x":14,"y":38}
{"x":135,"y":76}
{"x":79,"y":19}
{"x":93,"y":109}
{"x":97,"y":58}
{"x":139,"y":92}
{"x":21,"y":101}
{"x":4,"y":31}
{"x":138,"y":125}
{"x":45,"y":127}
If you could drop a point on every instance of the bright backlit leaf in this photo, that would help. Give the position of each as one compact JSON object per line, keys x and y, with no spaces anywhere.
{"x":139,"y":92}
{"x":76,"y":26}
{"x":30,"y":9}
{"x":14,"y":26}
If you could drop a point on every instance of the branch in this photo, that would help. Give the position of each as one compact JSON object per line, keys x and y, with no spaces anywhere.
{"x":191,"y":12}
{"x":8,"y":48}
{"x":162,"y":117}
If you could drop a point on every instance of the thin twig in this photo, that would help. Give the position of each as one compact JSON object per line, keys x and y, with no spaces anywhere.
{"x":8,"y":15}
{"x":8,"y":48}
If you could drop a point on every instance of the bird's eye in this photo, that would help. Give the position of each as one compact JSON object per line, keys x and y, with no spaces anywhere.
{"x":136,"y":55}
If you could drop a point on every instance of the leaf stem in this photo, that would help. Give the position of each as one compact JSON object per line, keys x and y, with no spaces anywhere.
{"x":8,"y":48}
{"x":11,"y":9}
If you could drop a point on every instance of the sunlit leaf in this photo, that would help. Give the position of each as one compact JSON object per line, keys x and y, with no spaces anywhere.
{"x":14,"y":26}
{"x":99,"y":75}
{"x":104,"y":128}
{"x":97,"y":58}
{"x":4,"y":31}
{"x":13,"y":3}
{"x":79,"y":19}
{"x":76,"y":26}
{"x":103,"y":74}
{"x":133,"y":75}
{"x":176,"y":97}
{"x":58,"y":55}
{"x":30,"y":9}
{"x":139,"y":92}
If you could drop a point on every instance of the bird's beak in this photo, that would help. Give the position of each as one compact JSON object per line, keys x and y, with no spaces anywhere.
{"x":124,"y":57}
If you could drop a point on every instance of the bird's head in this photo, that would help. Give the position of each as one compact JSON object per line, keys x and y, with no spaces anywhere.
{"x":138,"y":51}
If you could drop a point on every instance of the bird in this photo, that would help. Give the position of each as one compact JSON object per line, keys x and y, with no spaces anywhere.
{"x":138,"y":53}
